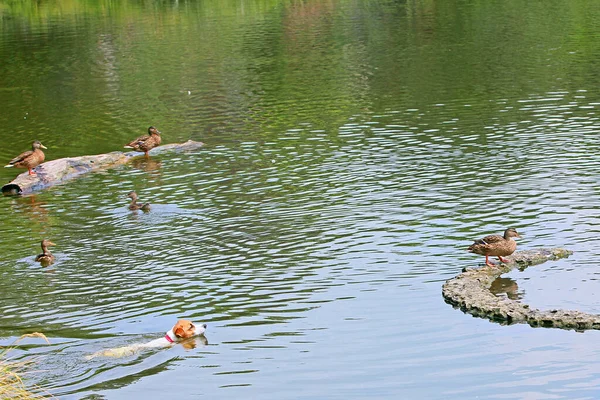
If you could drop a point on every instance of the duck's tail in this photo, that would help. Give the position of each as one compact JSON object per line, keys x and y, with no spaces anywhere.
{"x":8,"y":166}
{"x":478,"y":242}
{"x":128,"y":147}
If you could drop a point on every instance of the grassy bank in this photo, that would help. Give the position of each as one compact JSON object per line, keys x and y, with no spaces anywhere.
{"x":11,"y":373}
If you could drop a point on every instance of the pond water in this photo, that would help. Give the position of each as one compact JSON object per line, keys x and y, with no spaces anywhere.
{"x":353,"y":150}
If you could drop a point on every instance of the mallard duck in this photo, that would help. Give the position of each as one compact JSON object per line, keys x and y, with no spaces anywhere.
{"x":46,"y":258}
{"x":134,"y":205}
{"x":147,"y":142}
{"x":29,"y":159}
{"x":496,"y":246}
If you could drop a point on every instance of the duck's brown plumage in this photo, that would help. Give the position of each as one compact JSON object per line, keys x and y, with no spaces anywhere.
{"x":46,"y":258}
{"x":134,"y":205}
{"x":496,"y":245}
{"x":147,"y":142}
{"x":29,"y":159}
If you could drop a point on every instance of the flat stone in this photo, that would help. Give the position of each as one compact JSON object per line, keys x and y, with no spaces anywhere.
{"x":470,"y":291}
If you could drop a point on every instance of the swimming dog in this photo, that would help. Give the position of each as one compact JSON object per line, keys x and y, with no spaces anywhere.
{"x":182,"y":330}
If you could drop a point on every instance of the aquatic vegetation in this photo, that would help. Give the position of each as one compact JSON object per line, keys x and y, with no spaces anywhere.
{"x":12,"y":385}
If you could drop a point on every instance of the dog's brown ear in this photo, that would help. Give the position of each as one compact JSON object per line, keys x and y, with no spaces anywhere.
{"x":178,"y":331}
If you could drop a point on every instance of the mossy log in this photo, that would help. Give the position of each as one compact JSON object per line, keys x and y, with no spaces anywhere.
{"x":64,"y":169}
{"x":470,"y":291}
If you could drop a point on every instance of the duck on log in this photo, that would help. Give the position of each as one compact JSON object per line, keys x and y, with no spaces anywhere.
{"x":64,"y":169}
{"x":470,"y":291}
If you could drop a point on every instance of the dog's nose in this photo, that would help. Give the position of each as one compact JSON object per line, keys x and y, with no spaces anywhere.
{"x":204,"y":326}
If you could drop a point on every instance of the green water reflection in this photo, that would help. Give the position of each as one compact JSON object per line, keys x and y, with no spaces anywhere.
{"x":352,"y":150}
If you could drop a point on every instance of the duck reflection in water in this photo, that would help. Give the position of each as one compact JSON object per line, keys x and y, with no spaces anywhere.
{"x":32,"y":207}
{"x":506,"y":287}
{"x":147,"y":164}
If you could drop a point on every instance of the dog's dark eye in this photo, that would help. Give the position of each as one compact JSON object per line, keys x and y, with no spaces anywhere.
{"x":191,"y":326}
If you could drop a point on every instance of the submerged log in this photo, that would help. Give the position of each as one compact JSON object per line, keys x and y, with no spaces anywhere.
{"x":470,"y":291}
{"x":64,"y":169}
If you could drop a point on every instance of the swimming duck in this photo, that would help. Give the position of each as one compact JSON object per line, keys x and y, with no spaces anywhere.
{"x":496,"y":246}
{"x":147,"y":142}
{"x":29,"y":159}
{"x":135,"y":205}
{"x":46,"y":258}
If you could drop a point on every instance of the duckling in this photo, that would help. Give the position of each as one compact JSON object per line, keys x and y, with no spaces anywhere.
{"x":46,"y":258}
{"x":29,"y":159}
{"x":135,"y":205}
{"x":496,"y":246}
{"x":147,"y":142}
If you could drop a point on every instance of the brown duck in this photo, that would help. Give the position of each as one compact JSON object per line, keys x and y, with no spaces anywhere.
{"x":29,"y":159}
{"x":46,"y":258}
{"x":134,"y":205}
{"x":496,"y":246}
{"x":147,"y":142}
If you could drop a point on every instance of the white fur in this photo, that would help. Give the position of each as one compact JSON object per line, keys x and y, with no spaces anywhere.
{"x":163,"y":342}
{"x":156,"y":343}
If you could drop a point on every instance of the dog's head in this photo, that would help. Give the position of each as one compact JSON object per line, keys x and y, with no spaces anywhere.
{"x":184,"y":329}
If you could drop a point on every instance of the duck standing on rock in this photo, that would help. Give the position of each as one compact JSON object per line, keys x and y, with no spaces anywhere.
{"x":147,"y":142}
{"x":46,"y":258}
{"x":29,"y":159}
{"x":135,"y":205}
{"x":496,"y":246}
